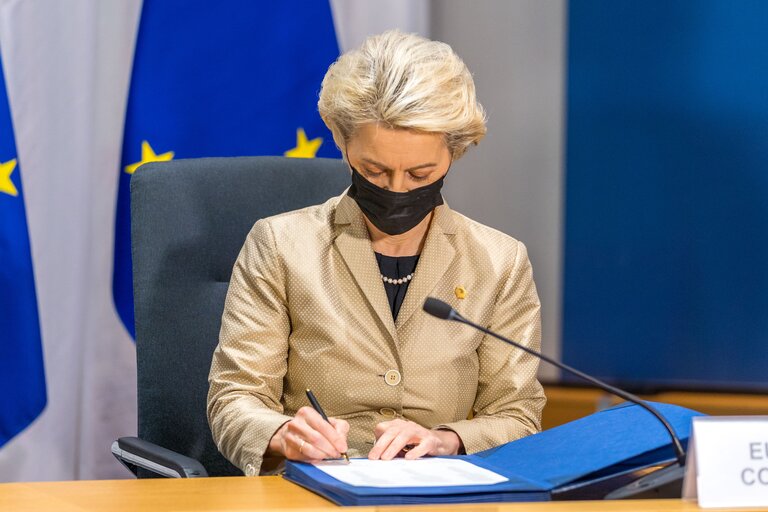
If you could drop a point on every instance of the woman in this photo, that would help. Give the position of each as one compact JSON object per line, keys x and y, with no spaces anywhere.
{"x":329,"y":297}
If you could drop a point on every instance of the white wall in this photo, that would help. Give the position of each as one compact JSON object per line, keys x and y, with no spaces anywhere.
{"x":355,"y":20}
{"x":513,"y":180}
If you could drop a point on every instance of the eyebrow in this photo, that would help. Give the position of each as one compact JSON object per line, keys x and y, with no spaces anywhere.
{"x":385,"y":168}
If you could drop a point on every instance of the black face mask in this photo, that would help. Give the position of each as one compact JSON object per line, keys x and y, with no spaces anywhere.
{"x":394,"y":213}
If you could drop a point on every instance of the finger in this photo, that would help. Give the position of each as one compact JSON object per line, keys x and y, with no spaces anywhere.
{"x":397,"y":423}
{"x":385,"y":432}
{"x":397,"y":445}
{"x":341,"y":426}
{"x":382,"y":443}
{"x":291,"y":447}
{"x":302,"y":430}
{"x":325,"y":429}
{"x":314,"y":420}
{"x":382,"y":427}
{"x":423,"y":448}
{"x":300,"y":449}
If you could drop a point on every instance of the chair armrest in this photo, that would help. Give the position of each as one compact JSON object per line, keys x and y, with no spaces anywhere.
{"x":134,"y":453}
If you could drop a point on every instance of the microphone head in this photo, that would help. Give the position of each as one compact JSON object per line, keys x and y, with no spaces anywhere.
{"x":438,"y":308}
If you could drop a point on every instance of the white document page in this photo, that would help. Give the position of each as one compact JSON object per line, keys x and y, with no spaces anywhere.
{"x":431,"y":472}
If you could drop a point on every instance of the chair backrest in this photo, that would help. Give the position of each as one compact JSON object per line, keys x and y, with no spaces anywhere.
{"x":189,"y":219}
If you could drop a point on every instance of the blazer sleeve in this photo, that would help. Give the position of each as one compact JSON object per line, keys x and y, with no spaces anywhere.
{"x":509,"y":398}
{"x":250,"y":361}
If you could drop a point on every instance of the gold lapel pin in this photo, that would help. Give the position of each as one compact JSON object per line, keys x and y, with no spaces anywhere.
{"x":460,"y":292}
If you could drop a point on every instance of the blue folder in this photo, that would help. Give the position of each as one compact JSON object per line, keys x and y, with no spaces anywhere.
{"x":611,"y":442}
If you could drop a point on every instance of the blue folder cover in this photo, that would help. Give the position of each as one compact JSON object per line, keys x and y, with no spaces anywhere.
{"x":340,"y":493}
{"x":610,"y":440}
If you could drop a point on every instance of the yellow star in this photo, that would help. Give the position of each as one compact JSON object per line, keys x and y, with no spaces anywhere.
{"x":304,"y":148}
{"x":148,"y":155}
{"x":6,"y":185}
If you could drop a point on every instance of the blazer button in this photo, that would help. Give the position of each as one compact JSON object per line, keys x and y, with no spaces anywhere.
{"x":250,"y":470}
{"x":387,"y":412}
{"x":392,"y":377}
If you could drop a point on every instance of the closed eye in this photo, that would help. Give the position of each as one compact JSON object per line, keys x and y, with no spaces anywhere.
{"x":419,"y":177}
{"x":373,"y":173}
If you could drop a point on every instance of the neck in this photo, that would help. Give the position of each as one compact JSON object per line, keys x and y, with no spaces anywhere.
{"x":409,"y":243}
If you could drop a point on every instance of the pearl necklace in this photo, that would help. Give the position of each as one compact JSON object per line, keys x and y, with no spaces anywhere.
{"x":402,"y":280}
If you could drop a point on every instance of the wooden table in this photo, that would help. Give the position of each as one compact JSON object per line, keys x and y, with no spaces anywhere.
{"x":566,"y":404}
{"x":240,"y":493}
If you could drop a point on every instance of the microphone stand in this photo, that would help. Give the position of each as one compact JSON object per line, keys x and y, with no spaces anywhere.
{"x":648,"y":482}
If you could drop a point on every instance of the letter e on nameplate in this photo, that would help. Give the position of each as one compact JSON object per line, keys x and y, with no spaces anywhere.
{"x":727,"y":464}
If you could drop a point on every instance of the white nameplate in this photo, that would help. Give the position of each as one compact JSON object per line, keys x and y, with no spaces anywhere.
{"x":727,"y":463}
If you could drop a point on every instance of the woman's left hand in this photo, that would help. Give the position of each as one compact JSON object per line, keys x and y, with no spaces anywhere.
{"x":393,"y":437}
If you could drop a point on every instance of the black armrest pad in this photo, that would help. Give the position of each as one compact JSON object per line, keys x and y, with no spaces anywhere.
{"x":137,"y":452}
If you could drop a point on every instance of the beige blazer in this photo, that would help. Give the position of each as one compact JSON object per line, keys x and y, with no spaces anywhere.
{"x":306,"y":308}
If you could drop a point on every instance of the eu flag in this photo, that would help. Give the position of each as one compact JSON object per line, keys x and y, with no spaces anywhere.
{"x":22,"y":375}
{"x":221,"y":79}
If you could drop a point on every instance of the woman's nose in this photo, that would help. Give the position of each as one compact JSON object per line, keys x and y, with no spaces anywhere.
{"x":397,"y":182}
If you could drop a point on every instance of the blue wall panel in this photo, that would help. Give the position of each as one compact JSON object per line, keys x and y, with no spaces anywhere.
{"x":666,"y":249}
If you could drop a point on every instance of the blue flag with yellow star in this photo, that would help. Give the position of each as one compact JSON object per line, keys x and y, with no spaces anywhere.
{"x":228,"y":78}
{"x":22,"y":375}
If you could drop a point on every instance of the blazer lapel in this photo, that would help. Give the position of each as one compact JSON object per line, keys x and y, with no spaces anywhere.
{"x":354,"y":245}
{"x":436,"y":257}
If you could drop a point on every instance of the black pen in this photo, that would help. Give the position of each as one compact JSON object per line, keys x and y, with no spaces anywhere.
{"x":316,"y":406}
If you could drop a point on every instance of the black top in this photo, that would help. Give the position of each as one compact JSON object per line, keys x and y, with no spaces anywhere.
{"x":396,"y":267}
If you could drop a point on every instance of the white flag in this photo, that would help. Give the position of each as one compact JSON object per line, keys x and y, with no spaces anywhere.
{"x":67,"y":66}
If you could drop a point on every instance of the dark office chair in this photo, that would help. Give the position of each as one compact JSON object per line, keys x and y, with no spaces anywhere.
{"x":189,"y":220}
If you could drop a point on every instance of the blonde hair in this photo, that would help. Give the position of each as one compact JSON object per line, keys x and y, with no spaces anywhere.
{"x":403,"y":81}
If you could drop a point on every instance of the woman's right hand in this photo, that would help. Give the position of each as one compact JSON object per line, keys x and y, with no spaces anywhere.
{"x":308,"y":437}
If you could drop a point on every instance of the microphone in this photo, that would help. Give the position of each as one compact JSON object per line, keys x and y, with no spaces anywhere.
{"x":440,"y":309}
